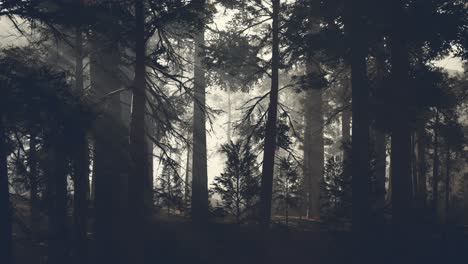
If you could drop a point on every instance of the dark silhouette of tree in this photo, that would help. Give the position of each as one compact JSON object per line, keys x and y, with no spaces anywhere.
{"x":6,"y":242}
{"x":199,"y":189}
{"x":270,"y":129}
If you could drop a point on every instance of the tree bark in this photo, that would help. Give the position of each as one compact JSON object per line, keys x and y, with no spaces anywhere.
{"x":360,"y":145}
{"x":435,"y":169}
{"x":229,"y":123}
{"x":380,"y":145}
{"x":33,"y":180}
{"x":270,"y":132}
{"x":188,"y":176}
{"x":313,"y":145}
{"x":57,"y":199}
{"x":400,"y":130}
{"x":110,"y":164}
{"x":81,"y":168}
{"x":6,"y":242}
{"x":447,"y":186}
{"x":138,"y":145}
{"x":199,"y":166}
{"x":345,"y":125}
{"x":421,"y":139}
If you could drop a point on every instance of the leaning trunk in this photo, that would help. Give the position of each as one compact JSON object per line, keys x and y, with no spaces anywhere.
{"x":270,"y":131}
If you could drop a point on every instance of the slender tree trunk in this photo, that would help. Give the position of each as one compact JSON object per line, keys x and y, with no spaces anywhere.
{"x":270,"y":132}
{"x":306,"y":158}
{"x":314,"y":161}
{"x":33,"y":179}
{"x":435,"y":169}
{"x":421,"y":138}
{"x":81,"y":168}
{"x":380,"y":145}
{"x":414,"y":168}
{"x":6,"y":243}
{"x":199,"y":165}
{"x":400,"y":130}
{"x":238,"y":211}
{"x":380,"y":142}
{"x":188,"y":176}
{"x":345,"y":126}
{"x":447,"y":186}
{"x":149,"y":186}
{"x":138,"y":144}
{"x":229,"y":123}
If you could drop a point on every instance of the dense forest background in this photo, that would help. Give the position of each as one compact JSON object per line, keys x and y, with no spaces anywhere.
{"x":229,"y":131}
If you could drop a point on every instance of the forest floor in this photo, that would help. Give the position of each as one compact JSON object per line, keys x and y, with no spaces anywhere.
{"x":173,"y":239}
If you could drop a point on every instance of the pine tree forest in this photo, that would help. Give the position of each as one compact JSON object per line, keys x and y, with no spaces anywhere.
{"x":233,"y":131}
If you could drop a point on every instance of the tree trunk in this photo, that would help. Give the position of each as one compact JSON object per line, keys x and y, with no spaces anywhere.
{"x":6,"y":243}
{"x":380,"y":167}
{"x":57,"y":199}
{"x":314,"y":145}
{"x":360,"y":145}
{"x":414,"y":168}
{"x":421,"y":138}
{"x":111,"y":161}
{"x":138,"y":145}
{"x":435,"y":169}
{"x":270,"y":132}
{"x":199,"y":166}
{"x":447,"y":186}
{"x":33,"y":180}
{"x":400,"y":130}
{"x":188,"y":176}
{"x":229,"y":123}
{"x":81,"y":168}
{"x":345,"y":126}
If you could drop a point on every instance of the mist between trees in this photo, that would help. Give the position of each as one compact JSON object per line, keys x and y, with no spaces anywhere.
{"x":229,"y":131}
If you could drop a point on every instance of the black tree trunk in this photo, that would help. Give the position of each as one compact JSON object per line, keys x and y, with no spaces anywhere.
{"x":270,"y":132}
{"x":5,"y":209}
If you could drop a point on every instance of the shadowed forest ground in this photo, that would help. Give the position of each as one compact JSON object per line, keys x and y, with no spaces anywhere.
{"x":173,"y":239}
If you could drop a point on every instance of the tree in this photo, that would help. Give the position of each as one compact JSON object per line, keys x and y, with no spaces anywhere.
{"x":6,"y":243}
{"x":288,"y":187}
{"x":170,"y":191}
{"x":270,"y":131}
{"x":199,"y":204}
{"x":313,"y":141}
{"x":138,"y":146}
{"x":238,"y":185}
{"x":360,"y":149}
{"x":401,"y":131}
{"x":80,"y":163}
